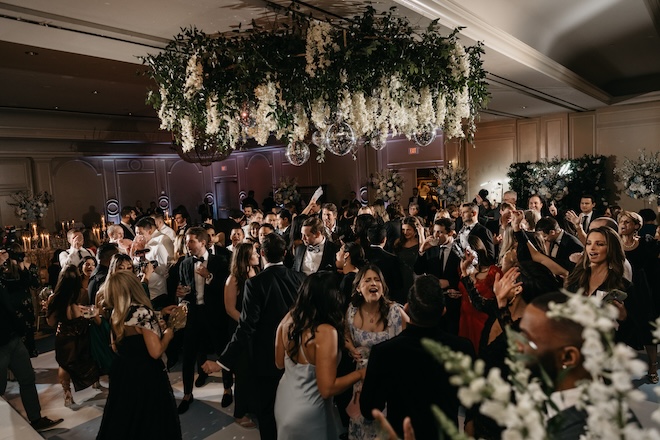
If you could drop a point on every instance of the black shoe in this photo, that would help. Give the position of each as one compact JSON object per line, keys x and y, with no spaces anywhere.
{"x":45,"y":423}
{"x":201,"y":380}
{"x":184,"y":405}
{"x":227,"y":399}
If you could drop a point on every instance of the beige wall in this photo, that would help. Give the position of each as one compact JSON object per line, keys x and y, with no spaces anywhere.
{"x":89,"y":160}
{"x":618,"y":131}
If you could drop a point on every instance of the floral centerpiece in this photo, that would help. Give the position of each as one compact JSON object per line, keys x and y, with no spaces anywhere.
{"x":452,"y":183}
{"x":641,"y":176}
{"x":521,"y":404}
{"x":375,"y":72}
{"x":388,"y":184}
{"x":287,"y":192}
{"x":30,"y":208}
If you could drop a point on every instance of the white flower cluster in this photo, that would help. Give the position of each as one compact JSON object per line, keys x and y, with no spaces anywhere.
{"x":318,"y":43}
{"x":266,"y":95}
{"x":28,"y":207}
{"x":287,"y":192}
{"x":523,"y":408}
{"x":452,"y":183}
{"x":641,"y":177}
{"x":388,"y":184}
{"x":166,"y":112}
{"x":194,"y":77}
{"x":549,"y":179}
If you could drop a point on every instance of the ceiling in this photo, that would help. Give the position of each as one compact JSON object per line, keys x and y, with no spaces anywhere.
{"x":543,"y":57}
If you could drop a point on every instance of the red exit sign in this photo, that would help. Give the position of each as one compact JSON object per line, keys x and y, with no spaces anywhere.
{"x":413,"y":150}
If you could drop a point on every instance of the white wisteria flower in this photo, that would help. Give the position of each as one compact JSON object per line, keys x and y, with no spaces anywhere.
{"x":287,"y":191}
{"x":194,"y":76}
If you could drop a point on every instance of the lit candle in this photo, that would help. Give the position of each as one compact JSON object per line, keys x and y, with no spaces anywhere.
{"x":47,"y":241}
{"x":29,"y":243}
{"x":34,"y":229}
{"x":103,"y":222}
{"x":24,"y":243}
{"x":43,"y":243}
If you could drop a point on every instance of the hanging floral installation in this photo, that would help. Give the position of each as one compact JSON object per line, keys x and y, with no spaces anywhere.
{"x":287,"y":192}
{"x":641,"y":176}
{"x":29,"y":207}
{"x":368,"y":77}
{"x":452,"y":183}
{"x":388,"y":185}
{"x":521,"y":404}
{"x":563,"y":181}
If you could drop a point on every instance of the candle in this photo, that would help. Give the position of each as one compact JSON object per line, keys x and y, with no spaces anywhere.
{"x":103,"y":222}
{"x":29,"y":243}
{"x":24,"y":243}
{"x":47,"y":241}
{"x":34,"y":229}
{"x":43,"y":244}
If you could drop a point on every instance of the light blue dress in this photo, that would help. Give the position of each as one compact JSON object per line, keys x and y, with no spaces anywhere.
{"x":300,"y":411}
{"x":359,"y":428}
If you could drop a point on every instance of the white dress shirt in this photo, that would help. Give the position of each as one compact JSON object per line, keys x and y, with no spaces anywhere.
{"x":74,"y":256}
{"x":200,"y":281}
{"x":312,"y":260}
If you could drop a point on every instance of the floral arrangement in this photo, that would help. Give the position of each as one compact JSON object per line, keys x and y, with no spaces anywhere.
{"x":374,"y":72}
{"x":562,"y":180}
{"x":452,"y":183}
{"x":388,"y":184}
{"x":520,"y":403}
{"x":30,"y":208}
{"x":287,"y":192}
{"x":641,"y":177}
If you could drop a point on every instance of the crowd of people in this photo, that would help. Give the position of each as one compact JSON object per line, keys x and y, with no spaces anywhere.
{"x":315,"y":318}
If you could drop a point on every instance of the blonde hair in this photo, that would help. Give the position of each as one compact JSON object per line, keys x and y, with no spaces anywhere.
{"x":121,"y":290}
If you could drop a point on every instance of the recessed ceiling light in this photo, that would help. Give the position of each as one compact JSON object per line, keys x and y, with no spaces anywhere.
{"x":95,"y":92}
{"x":57,"y":108}
{"x":523,"y":107}
{"x":31,"y":53}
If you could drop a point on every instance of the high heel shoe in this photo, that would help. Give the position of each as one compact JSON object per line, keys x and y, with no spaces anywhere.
{"x":653,"y":377}
{"x":68,"y":399}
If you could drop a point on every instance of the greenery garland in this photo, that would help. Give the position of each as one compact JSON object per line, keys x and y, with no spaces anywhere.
{"x":374,"y":71}
{"x":563,"y":180}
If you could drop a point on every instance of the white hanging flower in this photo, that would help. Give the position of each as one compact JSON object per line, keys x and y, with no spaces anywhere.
{"x":194,"y":77}
{"x":187,"y":135}
{"x":212,"y":115}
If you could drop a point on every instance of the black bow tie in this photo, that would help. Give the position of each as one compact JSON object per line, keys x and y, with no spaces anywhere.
{"x":314,"y":248}
{"x":467,"y":228}
{"x":200,"y":259}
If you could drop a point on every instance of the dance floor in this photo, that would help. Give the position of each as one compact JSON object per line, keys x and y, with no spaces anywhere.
{"x":205,"y":419}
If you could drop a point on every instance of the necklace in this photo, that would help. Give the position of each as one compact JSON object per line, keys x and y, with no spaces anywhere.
{"x":370,"y":316}
{"x":628,"y":246}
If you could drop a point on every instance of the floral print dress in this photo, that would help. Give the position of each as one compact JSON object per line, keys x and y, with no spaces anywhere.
{"x":359,"y":428}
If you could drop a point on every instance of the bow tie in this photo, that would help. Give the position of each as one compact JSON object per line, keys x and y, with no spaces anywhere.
{"x":200,"y":259}
{"x":314,"y":248}
{"x":467,"y":228}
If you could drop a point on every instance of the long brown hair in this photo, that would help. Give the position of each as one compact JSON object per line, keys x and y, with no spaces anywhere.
{"x":615,"y":258}
{"x":384,"y":302}
{"x":240,"y":264}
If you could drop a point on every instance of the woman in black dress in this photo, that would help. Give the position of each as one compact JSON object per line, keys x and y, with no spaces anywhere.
{"x":642,"y":254}
{"x":140,"y":399}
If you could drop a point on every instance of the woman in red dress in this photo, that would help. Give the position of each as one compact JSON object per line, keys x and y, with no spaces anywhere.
{"x":482,"y":270}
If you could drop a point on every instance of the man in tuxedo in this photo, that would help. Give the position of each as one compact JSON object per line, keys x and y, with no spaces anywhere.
{"x":317,"y":252}
{"x":587,"y":214}
{"x":96,"y":280}
{"x":559,"y":245}
{"x":421,"y":381}
{"x":388,"y":263}
{"x":329,"y":216}
{"x":76,"y":253}
{"x":206,"y":328}
{"x":267,"y":297}
{"x":128,"y":216}
{"x":437,"y":258}
{"x":469,"y":213}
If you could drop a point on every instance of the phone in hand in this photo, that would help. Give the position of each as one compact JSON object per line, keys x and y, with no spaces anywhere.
{"x":615,"y":295}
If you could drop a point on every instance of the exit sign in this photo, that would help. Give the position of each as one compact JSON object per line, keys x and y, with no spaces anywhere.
{"x":413,"y":150}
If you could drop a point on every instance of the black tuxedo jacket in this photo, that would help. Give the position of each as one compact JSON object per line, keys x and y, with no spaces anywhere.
{"x":421,"y":380}
{"x":128,"y":232}
{"x":327,"y":260}
{"x":430,"y":264}
{"x":486,"y":237}
{"x":214,"y":298}
{"x":567,"y":246}
{"x":267,"y":297}
{"x":390,"y":265}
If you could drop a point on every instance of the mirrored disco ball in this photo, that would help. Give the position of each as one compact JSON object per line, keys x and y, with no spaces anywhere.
{"x":297,"y":153}
{"x":374,"y":141}
{"x":424,"y":137}
{"x":340,"y":138}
